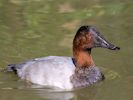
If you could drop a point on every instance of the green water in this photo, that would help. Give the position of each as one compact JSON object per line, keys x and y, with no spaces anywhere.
{"x":36,"y":28}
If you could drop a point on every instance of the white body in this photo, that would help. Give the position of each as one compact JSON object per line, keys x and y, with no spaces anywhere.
{"x":49,"y":71}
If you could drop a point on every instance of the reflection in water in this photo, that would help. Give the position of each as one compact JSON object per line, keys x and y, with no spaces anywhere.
{"x":79,"y":94}
{"x":55,"y":95}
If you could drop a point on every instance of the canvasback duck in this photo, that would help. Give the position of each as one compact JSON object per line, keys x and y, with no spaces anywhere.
{"x":67,"y":72}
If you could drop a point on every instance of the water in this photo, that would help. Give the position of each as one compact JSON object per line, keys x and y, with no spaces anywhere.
{"x":36,"y":28}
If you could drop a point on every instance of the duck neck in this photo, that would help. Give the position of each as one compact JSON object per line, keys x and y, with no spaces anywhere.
{"x":83,"y":58}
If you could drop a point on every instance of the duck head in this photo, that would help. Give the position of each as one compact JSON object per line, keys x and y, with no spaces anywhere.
{"x":86,"y":38}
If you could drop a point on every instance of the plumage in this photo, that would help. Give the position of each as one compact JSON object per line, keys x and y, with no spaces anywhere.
{"x":67,"y":72}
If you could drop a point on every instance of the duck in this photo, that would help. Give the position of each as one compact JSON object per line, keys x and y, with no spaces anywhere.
{"x":64,"y":72}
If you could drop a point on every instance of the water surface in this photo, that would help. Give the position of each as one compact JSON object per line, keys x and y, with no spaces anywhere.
{"x":37,"y":28}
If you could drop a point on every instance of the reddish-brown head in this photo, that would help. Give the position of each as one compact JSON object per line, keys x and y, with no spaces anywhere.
{"x":83,"y":39}
{"x":86,"y":38}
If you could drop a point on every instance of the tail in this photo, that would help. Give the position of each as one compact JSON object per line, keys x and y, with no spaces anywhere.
{"x":11,"y":67}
